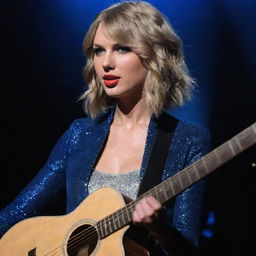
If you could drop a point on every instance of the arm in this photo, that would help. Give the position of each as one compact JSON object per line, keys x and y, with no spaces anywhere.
{"x":188,"y":205}
{"x":177,"y":232}
{"x":42,"y":190}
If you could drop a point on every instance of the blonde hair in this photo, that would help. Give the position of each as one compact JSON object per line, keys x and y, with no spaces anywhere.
{"x":147,"y":32}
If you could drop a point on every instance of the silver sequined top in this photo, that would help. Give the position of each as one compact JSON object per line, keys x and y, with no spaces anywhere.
{"x":126,"y":183}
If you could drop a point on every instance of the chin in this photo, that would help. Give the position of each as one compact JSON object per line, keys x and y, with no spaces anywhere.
{"x":113,"y":92}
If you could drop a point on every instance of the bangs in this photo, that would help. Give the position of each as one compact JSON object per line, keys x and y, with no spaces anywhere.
{"x":121,"y":28}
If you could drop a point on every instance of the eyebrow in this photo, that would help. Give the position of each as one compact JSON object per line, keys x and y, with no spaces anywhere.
{"x":97,"y":45}
{"x":114,"y":45}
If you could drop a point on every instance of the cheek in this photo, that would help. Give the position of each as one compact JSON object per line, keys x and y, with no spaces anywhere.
{"x":133,"y":65}
{"x":139,"y":70}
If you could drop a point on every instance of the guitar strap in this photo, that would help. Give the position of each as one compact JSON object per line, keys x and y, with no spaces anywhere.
{"x":165,"y":127}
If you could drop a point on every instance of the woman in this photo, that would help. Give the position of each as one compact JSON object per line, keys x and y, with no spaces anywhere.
{"x":134,"y":70}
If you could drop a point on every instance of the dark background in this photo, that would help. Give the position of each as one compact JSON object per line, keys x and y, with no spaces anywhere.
{"x":41,"y":80}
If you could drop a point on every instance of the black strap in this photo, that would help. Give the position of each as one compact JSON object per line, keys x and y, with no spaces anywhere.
{"x":165,"y":126}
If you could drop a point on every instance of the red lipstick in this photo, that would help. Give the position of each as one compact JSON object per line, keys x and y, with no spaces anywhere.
{"x":111,"y":80}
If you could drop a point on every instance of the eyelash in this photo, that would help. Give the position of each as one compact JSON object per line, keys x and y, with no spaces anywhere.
{"x":121,"y":49}
{"x":97,"y":51}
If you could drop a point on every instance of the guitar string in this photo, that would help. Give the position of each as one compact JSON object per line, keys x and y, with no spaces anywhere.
{"x":79,"y":234}
{"x":75,"y":246}
{"x":89,"y":232}
{"x":112,"y":218}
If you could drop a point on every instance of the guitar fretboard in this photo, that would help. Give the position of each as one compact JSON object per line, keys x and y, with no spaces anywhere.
{"x":182,"y":179}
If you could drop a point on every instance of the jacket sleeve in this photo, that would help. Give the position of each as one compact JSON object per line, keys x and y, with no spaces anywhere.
{"x":42,"y":191}
{"x":188,"y":205}
{"x":185,"y":215}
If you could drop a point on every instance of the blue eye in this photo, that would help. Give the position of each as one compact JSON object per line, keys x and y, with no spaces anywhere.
{"x":123,"y":49}
{"x":98,"y":51}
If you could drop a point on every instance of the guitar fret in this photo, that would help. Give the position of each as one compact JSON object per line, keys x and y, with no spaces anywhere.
{"x":160,"y":194}
{"x":188,"y":175}
{"x":226,"y":154}
{"x":101,"y":226}
{"x":195,"y":174}
{"x":205,"y":165}
{"x":152,"y":192}
{"x":217,"y":156}
{"x":99,"y":229}
{"x":196,"y":171}
{"x":105,"y":227}
{"x":127,"y":214}
{"x":110,"y":225}
{"x":231,"y":148}
{"x":176,"y":185}
{"x":122,"y":215}
{"x":157,"y":193}
{"x":114,"y":221}
{"x":239,"y":144}
{"x":118,"y":220}
{"x":165,"y":195}
{"x":212,"y":162}
{"x":102,"y":230}
{"x":247,"y":140}
{"x":180,"y":181}
{"x":186,"y":181}
{"x":191,"y":175}
{"x":172,"y":188}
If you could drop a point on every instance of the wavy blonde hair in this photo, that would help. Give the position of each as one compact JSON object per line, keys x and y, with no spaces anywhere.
{"x":147,"y":32}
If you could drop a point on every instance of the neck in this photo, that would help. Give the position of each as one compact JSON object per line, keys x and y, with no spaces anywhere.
{"x":132,"y":112}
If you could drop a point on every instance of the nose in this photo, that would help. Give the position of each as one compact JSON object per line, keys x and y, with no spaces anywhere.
{"x":108,"y":62}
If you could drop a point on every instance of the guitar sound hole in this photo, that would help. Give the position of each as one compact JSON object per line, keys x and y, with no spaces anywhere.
{"x":82,"y":241}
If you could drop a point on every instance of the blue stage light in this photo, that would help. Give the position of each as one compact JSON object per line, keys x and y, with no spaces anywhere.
{"x":211,"y":218}
{"x":208,"y":233}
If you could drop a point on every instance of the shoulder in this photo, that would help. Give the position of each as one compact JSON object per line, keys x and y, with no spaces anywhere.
{"x":84,"y":131}
{"x":82,"y":124}
{"x":192,"y":130}
{"x":186,"y":127}
{"x":195,"y":140}
{"x":87,"y":124}
{"x":188,"y":133}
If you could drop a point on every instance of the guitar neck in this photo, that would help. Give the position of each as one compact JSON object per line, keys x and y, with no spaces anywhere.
{"x":182,"y":179}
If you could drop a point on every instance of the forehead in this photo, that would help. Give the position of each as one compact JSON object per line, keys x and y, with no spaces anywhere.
{"x":102,"y":37}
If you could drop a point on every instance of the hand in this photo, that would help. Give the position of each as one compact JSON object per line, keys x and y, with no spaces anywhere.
{"x":150,"y":214}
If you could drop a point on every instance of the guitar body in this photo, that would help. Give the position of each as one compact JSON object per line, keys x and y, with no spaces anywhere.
{"x":41,"y":236}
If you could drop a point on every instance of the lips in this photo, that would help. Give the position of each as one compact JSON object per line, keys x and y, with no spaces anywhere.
{"x":111,"y":80}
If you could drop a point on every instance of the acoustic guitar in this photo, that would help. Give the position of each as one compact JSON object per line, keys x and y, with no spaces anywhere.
{"x":97,"y":226}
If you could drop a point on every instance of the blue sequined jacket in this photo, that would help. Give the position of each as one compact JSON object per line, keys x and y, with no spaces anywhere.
{"x":72,"y":161}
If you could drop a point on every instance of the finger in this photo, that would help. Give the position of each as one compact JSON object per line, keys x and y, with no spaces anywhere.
{"x":153,"y":203}
{"x":139,"y":215}
{"x":143,"y":212}
{"x":147,"y":208}
{"x":139,"y":212}
{"x":135,"y":217}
